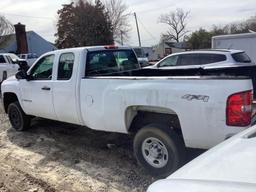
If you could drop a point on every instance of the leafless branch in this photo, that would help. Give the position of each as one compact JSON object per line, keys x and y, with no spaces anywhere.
{"x":119,"y":18}
{"x":177,"y":23}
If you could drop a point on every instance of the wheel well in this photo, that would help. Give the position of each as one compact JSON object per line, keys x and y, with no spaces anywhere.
{"x":8,"y":99}
{"x":140,"y":118}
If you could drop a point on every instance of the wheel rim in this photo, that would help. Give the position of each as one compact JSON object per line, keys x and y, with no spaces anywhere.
{"x":15,"y":117}
{"x":155,"y":152}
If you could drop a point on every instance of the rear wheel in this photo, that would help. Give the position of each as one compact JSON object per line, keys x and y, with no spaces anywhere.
{"x":159,"y":149}
{"x":18,"y":119}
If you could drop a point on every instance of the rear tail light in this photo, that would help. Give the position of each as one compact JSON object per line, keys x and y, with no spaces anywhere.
{"x":239,"y":109}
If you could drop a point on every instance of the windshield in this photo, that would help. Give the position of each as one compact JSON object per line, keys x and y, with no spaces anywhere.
{"x":13,"y":56}
{"x":241,"y":57}
{"x":110,"y":61}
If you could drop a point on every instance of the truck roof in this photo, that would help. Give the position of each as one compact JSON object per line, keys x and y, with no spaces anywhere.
{"x":92,"y":48}
{"x":216,"y":51}
{"x":235,"y":36}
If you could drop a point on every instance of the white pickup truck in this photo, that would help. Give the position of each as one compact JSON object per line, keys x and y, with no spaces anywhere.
{"x":8,"y":66}
{"x":104,"y":88}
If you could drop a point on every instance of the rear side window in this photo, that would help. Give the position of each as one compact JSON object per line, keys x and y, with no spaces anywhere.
{"x":2,"y":60}
{"x":65,"y":67}
{"x":241,"y":57}
{"x":110,"y":61}
{"x":211,"y":58}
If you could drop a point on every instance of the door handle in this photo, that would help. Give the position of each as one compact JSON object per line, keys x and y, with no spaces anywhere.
{"x":46,"y":88}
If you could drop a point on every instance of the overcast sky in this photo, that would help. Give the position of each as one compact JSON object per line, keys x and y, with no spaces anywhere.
{"x":41,"y":15}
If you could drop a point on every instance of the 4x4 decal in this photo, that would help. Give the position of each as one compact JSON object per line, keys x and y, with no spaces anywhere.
{"x":189,"y":97}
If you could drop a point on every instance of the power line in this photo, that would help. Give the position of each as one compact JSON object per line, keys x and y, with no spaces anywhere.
{"x":155,"y":9}
{"x":27,"y":16}
{"x":150,"y":34}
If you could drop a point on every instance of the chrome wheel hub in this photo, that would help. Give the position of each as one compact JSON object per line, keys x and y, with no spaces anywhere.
{"x":155,"y":152}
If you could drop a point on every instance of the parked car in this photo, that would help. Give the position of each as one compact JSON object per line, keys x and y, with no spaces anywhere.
{"x":8,"y":65}
{"x":108,"y":93}
{"x":29,"y":57}
{"x":210,"y":62}
{"x":206,"y":59}
{"x":141,"y":56}
{"x":228,"y":167}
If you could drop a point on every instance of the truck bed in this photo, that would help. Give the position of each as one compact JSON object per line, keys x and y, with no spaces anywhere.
{"x":217,"y":73}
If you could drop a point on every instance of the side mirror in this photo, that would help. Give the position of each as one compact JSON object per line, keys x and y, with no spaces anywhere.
{"x":21,"y":75}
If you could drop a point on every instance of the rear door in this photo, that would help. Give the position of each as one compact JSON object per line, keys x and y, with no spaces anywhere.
{"x":65,"y":97}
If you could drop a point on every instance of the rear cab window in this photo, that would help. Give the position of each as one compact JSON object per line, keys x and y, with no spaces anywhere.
{"x":106,"y":62}
{"x":65,"y":67}
{"x":241,"y":57}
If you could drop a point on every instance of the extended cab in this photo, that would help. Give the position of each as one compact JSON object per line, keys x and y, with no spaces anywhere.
{"x":104,"y":88}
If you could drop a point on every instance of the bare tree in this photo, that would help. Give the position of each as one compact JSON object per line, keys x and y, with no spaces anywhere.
{"x":6,"y":27}
{"x":119,"y":19}
{"x":177,"y":22}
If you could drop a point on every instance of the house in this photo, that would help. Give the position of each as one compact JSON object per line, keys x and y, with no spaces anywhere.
{"x":165,"y":48}
{"x":23,"y":42}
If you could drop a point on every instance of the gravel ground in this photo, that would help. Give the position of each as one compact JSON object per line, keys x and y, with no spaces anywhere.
{"x":53,"y":156}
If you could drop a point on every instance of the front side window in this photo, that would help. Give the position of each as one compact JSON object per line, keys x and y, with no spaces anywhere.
{"x":10,"y":60}
{"x":65,"y":67}
{"x":169,"y":61}
{"x":43,"y":68}
{"x":107,"y":62}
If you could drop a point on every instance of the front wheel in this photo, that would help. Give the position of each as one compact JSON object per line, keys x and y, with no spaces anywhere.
{"x":18,"y":119}
{"x":159,"y":149}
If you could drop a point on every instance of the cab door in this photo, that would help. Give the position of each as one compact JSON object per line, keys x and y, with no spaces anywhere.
{"x":37,"y":92}
{"x":65,"y":96}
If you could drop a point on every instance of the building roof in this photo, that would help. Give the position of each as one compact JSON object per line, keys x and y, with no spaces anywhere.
{"x":36,"y":43}
{"x":179,"y":45}
{"x":243,"y":35}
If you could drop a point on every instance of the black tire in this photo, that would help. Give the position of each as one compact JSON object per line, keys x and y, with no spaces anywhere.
{"x":18,"y":119}
{"x":167,"y":140}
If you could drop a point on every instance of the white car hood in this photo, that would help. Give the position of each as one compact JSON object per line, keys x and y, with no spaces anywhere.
{"x":230,"y":166}
{"x":182,"y":185}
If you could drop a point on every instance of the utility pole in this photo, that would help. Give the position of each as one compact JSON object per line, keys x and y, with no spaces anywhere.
{"x":138,"y":31}
{"x":122,"y":39}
